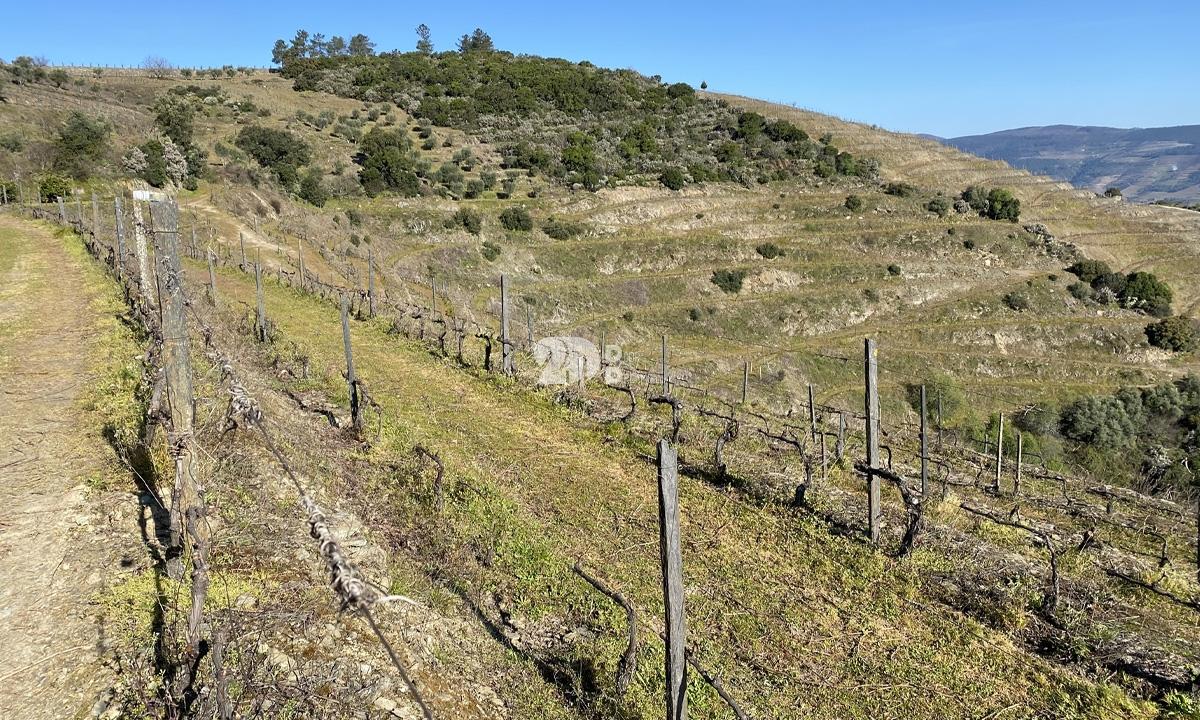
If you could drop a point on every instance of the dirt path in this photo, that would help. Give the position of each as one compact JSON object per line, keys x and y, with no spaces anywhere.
{"x":51,"y":560}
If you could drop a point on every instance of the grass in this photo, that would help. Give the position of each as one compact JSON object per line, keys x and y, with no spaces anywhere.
{"x":840,"y":627}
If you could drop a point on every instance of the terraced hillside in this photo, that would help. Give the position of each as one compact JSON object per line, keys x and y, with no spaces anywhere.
{"x":1068,"y":597}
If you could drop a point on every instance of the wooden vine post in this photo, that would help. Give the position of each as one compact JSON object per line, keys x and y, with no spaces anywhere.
{"x":212,"y":279}
{"x":666,"y":375}
{"x":924,"y":448}
{"x":351,"y":379}
{"x":260,"y":314}
{"x":242,"y":245}
{"x":871,"y":402}
{"x":672,"y":573}
{"x":95,"y":216}
{"x":370,"y":282}
{"x":745,"y":381}
{"x":1020,"y":453}
{"x":300,"y":260}
{"x":999,"y":454}
{"x":812,"y":414}
{"x":506,"y":353}
{"x":189,"y":508}
{"x":62,"y":211}
{"x":139,"y":249}
{"x":120,"y":235}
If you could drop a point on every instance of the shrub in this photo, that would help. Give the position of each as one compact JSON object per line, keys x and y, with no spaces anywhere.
{"x":53,"y":187}
{"x":516,"y":218}
{"x":939,"y":205}
{"x":893,"y":270}
{"x":900,"y":189}
{"x":280,"y":151}
{"x":673,"y":179}
{"x":1145,"y":291}
{"x":387,"y":161}
{"x":474,"y":189}
{"x":1088,"y":270}
{"x":770,"y":251}
{"x":1177,"y":334}
{"x":80,"y":144}
{"x":311,"y":188}
{"x":562,"y":229}
{"x":489,"y":250}
{"x":694,"y":314}
{"x":1100,"y":421}
{"x":976,"y":198}
{"x":729,"y":281}
{"x":1038,"y":419}
{"x":1003,"y":206}
{"x":1017,"y":300}
{"x":469,"y":220}
{"x":968,"y":244}
{"x":1112,"y":192}
{"x":1080,"y":291}
{"x":854,"y":203}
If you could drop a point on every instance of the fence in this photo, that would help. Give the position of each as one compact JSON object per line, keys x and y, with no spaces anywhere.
{"x":905,"y":446}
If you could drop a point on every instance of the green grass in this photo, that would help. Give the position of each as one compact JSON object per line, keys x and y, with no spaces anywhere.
{"x":798,"y":621}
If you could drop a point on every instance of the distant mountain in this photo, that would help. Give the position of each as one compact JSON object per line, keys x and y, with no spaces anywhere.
{"x":1145,"y":163}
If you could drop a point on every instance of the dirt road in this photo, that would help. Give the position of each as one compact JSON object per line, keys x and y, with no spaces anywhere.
{"x":53,"y":553}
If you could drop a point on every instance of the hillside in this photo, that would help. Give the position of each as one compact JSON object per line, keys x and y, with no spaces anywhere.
{"x":753,"y":264}
{"x":1145,"y":163}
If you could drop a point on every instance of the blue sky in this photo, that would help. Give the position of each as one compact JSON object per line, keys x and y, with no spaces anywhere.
{"x":939,"y":67}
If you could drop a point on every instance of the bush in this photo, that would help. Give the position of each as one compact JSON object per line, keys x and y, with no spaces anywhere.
{"x":729,"y":281}
{"x":976,"y":198}
{"x":80,"y":144}
{"x":893,"y":270}
{"x":1038,"y":419}
{"x":388,"y":163}
{"x":1100,"y":421}
{"x":1080,"y":291}
{"x":770,"y":251}
{"x":516,"y":218}
{"x":53,"y":187}
{"x":694,"y":314}
{"x":1017,"y":301}
{"x":474,"y":189}
{"x":939,"y":205}
{"x":1112,"y":192}
{"x":1088,"y":270}
{"x":489,"y":250}
{"x":470,"y":220}
{"x":562,"y":229}
{"x":673,"y":179}
{"x":854,"y":203}
{"x":280,"y":151}
{"x":1146,"y":292}
{"x":311,"y":188}
{"x":900,"y":189}
{"x":1177,"y":334}
{"x":1003,"y":206}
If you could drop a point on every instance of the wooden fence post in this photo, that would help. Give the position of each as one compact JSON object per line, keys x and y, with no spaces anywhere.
{"x":506,"y":354}
{"x":188,"y":511}
{"x":666,"y":376}
{"x":839,"y":448}
{"x":242,"y":244}
{"x":672,"y":572}
{"x":745,"y":381}
{"x":999,"y":454}
{"x":139,"y":249}
{"x":1020,"y":452}
{"x":212,"y":279}
{"x":62,"y":211}
{"x":351,"y":379}
{"x":120,"y":234}
{"x":872,"y":431}
{"x":370,"y":282}
{"x":939,"y":419}
{"x":260,"y":315}
{"x":924,"y":449}
{"x":95,"y":216}
{"x":300,"y":260}
{"x":78,"y":210}
{"x":812,"y":414}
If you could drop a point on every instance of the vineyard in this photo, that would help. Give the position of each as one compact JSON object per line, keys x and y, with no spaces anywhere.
{"x":829,"y":562}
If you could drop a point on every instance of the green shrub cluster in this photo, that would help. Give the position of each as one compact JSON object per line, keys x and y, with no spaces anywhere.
{"x":1139,"y":290}
{"x":516,"y":218}
{"x":770,"y":250}
{"x":729,"y":281}
{"x":1177,"y":334}
{"x":562,"y":229}
{"x":467,"y":219}
{"x":996,"y":203}
{"x":573,"y":122}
